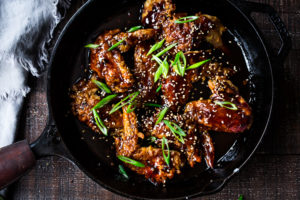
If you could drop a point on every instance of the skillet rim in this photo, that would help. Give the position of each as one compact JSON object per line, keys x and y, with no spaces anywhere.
{"x":200,"y":193}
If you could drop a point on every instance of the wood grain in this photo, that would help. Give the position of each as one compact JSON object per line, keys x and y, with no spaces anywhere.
{"x":272,"y":173}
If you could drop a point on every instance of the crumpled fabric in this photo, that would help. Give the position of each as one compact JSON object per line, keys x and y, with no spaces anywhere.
{"x":26,"y":27}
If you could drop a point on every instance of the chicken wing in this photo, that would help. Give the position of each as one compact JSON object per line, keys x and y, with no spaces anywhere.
{"x":216,"y":117}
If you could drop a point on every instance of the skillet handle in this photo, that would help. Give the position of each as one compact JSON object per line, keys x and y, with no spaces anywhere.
{"x":15,"y":160}
{"x":249,"y":7}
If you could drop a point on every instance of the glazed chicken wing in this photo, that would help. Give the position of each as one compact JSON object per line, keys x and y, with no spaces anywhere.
{"x":144,"y":70}
{"x":156,"y":12}
{"x":215,"y":117}
{"x":84,"y":97}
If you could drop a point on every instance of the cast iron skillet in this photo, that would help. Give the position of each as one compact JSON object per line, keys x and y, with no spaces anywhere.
{"x":63,"y":134}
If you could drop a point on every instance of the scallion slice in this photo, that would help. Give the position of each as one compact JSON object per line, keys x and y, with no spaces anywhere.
{"x":123,"y":172}
{"x":165,"y":50}
{"x":165,"y":143}
{"x":116,"y":45}
{"x":104,"y":101}
{"x":99,"y":122}
{"x":186,"y":19}
{"x":156,"y":46}
{"x":135,"y":28}
{"x":120,"y":104}
{"x":102,"y":86}
{"x":92,"y":46}
{"x":179,"y":63}
{"x":153,"y":105}
{"x":176,"y":131}
{"x":225,"y":103}
{"x":198,"y":64}
{"x":130,"y":161}
{"x":165,"y":67}
{"x":241,"y":197}
{"x":159,"y":88}
{"x":161,"y":115}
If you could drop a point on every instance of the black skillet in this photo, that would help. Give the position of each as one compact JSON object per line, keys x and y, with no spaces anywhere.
{"x":63,"y":135}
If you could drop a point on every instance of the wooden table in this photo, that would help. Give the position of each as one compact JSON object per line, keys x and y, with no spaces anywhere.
{"x":272,"y":173}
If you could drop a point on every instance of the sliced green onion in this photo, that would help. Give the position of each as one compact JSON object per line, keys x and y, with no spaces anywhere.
{"x":102,"y":86}
{"x":135,"y":28}
{"x":99,"y":122}
{"x":92,"y":46}
{"x":165,"y":50}
{"x":162,"y":69}
{"x":123,"y":172}
{"x":120,"y":104}
{"x":241,"y":197}
{"x":130,"y":161}
{"x":157,"y":74}
{"x":224,"y":103}
{"x":161,"y":115}
{"x":153,"y":105}
{"x":186,"y":19}
{"x":179,"y":66}
{"x":198,"y":64}
{"x":104,"y":101}
{"x":151,"y":139}
{"x":158,"y":89}
{"x":129,"y":110}
{"x":167,"y":158}
{"x":117,"y":44}
{"x":156,"y":46}
{"x":165,"y":67}
{"x":176,"y":131}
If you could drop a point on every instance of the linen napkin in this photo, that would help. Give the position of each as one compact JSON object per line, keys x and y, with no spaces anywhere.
{"x":26,"y":27}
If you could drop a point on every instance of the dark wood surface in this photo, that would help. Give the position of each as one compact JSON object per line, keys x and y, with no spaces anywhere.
{"x":272,"y":173}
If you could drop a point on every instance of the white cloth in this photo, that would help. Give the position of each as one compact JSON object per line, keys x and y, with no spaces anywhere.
{"x":25,"y":28}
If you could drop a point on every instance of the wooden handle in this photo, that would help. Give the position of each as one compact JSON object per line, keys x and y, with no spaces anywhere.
{"x":15,"y":160}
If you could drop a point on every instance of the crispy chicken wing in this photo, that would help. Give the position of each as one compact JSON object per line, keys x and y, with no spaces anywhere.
{"x":217,"y":118}
{"x":144,"y":70}
{"x":156,"y":12}
{"x":110,"y":65}
{"x":84,"y":98}
{"x":176,"y":90}
{"x":156,"y":168}
{"x":128,"y":142}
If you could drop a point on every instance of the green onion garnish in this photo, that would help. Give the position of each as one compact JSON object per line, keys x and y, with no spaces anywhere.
{"x":186,"y":19}
{"x":129,"y":109}
{"x":224,"y":103}
{"x":123,"y":172}
{"x":153,"y":105}
{"x":151,"y":139}
{"x":165,"y":50}
{"x":176,"y":131}
{"x":241,"y":197}
{"x":117,"y":44}
{"x":135,"y":28}
{"x":102,"y":86}
{"x":165,"y":67}
{"x":156,"y":46}
{"x":198,"y":64}
{"x":162,"y":69}
{"x":92,"y":46}
{"x":167,"y":158}
{"x":158,"y":89}
{"x":130,"y":161}
{"x":161,"y":115}
{"x":179,"y":63}
{"x":121,"y":104}
{"x":99,"y":122}
{"x":104,"y":101}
